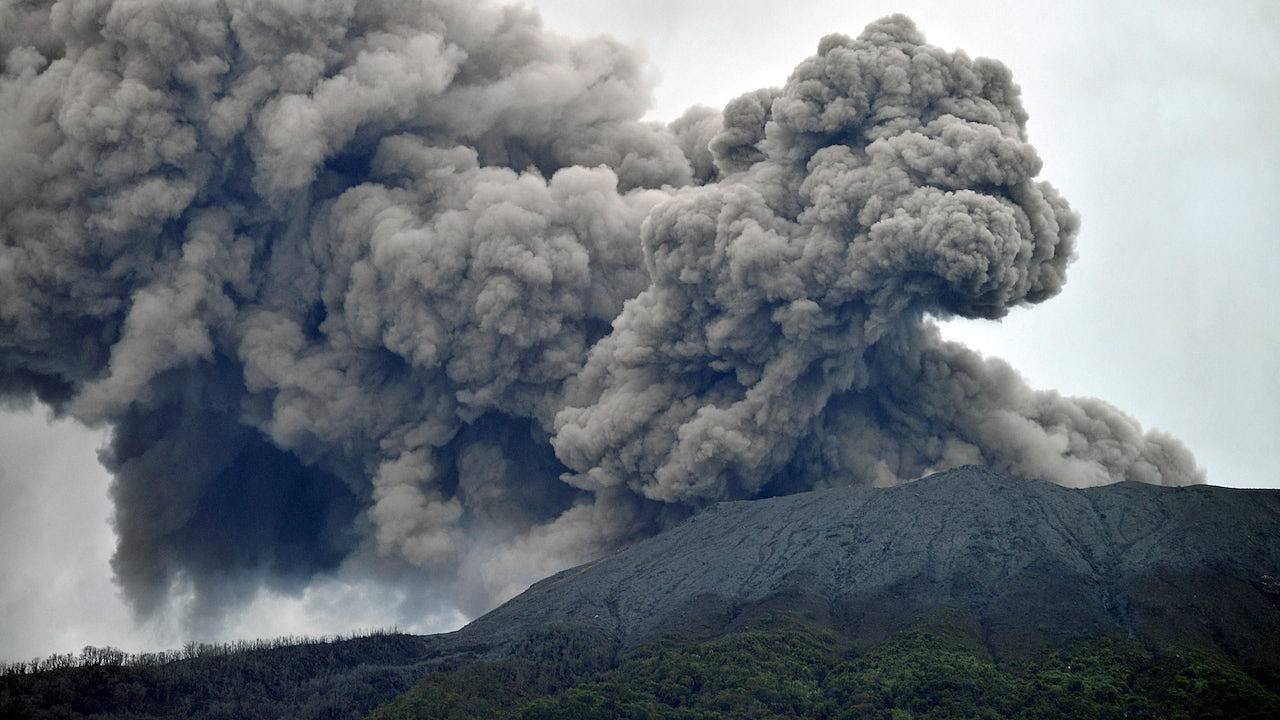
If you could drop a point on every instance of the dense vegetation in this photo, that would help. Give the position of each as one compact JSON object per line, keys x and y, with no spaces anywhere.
{"x":777,"y":671}
{"x":289,"y":678}
{"x":799,"y":672}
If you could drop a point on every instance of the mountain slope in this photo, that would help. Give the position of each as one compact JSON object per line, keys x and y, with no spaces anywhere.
{"x":965,"y":594}
{"x":1018,"y":563}
{"x":794,"y":671}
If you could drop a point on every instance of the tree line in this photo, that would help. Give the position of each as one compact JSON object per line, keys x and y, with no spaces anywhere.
{"x":92,"y":656}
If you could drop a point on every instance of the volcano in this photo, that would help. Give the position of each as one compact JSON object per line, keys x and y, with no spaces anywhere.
{"x":961,"y":592}
{"x":1020,"y":563}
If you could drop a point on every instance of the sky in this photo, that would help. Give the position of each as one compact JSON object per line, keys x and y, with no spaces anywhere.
{"x":1156,"y":121}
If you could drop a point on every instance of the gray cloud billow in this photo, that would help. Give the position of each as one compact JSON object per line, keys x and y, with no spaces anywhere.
{"x":408,"y":287}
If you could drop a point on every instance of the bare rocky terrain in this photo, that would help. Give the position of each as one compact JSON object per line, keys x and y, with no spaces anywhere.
{"x":1018,"y":563}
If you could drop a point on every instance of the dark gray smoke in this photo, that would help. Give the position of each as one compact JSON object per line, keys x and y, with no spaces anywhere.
{"x":409,"y":285}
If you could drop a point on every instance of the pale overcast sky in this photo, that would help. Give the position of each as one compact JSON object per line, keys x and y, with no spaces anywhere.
{"x":1156,"y":120}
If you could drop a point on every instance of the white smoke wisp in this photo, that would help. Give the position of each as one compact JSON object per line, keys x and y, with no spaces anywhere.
{"x":409,"y":289}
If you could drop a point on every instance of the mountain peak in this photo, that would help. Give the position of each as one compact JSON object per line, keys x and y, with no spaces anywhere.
{"x":1020,"y":562}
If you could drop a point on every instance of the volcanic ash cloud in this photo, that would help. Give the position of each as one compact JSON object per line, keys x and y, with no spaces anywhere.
{"x":407,"y":290}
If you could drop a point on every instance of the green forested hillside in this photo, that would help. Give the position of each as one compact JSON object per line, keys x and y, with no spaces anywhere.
{"x":801,"y":672}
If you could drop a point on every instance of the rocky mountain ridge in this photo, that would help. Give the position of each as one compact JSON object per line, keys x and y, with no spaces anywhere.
{"x":1019,"y":563}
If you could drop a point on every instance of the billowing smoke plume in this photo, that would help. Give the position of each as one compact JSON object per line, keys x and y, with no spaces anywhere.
{"x":409,"y":287}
